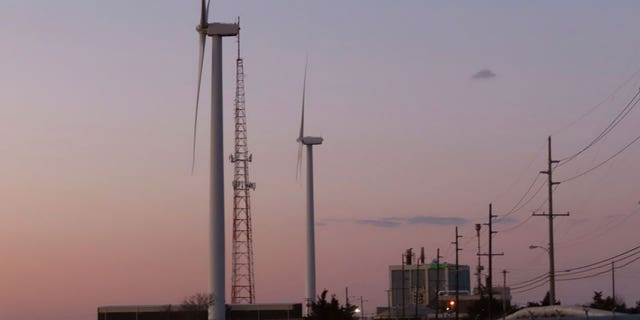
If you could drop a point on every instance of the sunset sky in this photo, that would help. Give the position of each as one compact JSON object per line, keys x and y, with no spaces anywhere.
{"x":429,"y":111}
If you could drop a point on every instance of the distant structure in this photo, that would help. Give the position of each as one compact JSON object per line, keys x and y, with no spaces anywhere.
{"x":242,"y":279}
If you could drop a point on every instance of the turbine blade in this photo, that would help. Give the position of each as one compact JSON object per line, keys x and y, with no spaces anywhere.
{"x":299,"y":162}
{"x":301,"y":134}
{"x":304,"y":89}
{"x":203,"y":41}
{"x":207,"y":12}
{"x":204,"y":11}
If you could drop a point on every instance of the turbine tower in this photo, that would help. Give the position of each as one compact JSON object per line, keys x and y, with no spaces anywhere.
{"x":242,"y":279}
{"x":216,"y":180}
{"x":309,"y":142}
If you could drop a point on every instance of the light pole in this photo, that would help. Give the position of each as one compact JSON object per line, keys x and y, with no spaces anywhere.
{"x":551,"y":299}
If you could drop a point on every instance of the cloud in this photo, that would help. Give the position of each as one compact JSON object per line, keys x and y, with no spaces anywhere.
{"x":382,"y":223}
{"x":505,"y":220}
{"x":393,"y":222}
{"x":436,"y":220}
{"x":483,"y":74}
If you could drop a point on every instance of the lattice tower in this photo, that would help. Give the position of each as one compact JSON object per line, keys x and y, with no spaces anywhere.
{"x":242,"y":282}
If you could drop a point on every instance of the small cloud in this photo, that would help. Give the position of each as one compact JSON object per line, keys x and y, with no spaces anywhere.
{"x":505,"y":220}
{"x":328,"y":221}
{"x":483,"y":75}
{"x":436,"y":220}
{"x":393,"y":222}
{"x":381,"y":223}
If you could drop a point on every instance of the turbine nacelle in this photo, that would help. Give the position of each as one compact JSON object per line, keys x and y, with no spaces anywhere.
{"x":219,"y":29}
{"x":307,"y":141}
{"x":222,"y":29}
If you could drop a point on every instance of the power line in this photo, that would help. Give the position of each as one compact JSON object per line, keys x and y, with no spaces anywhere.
{"x":527,"y":283}
{"x":526,"y":202}
{"x":521,"y":198}
{"x":601,"y":272}
{"x":515,"y":182}
{"x":604,"y":265}
{"x":603,"y":260}
{"x":517,"y":226}
{"x":603,"y":162}
{"x":619,"y":117}
{"x":599,"y":104}
{"x":529,"y":289}
{"x":590,"y":235}
{"x":542,"y":281}
{"x":537,"y":280}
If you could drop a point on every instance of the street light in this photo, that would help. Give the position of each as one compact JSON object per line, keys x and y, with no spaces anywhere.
{"x":551,"y":272}
{"x":360,"y":309}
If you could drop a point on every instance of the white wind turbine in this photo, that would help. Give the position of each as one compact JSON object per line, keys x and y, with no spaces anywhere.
{"x":216,"y":180}
{"x":309,"y":142}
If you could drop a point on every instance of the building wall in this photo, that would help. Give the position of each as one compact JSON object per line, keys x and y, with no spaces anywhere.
{"x":420,"y":282}
{"x":463,"y":275}
{"x":413,"y":287}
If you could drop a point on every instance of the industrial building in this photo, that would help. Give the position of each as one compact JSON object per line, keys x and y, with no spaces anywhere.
{"x":420,"y":290}
{"x":438,"y":279}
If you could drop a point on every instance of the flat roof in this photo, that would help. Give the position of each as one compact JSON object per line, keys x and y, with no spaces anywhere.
{"x":177,"y":307}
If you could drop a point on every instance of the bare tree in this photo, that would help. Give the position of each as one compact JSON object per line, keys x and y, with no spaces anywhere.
{"x":197,"y":304}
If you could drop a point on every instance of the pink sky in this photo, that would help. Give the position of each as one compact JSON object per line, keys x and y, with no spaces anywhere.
{"x":98,"y":206}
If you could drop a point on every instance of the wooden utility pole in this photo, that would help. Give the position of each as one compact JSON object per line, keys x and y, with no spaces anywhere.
{"x":504,"y":294}
{"x":490,"y":255}
{"x":346,"y":295}
{"x":437,"y":282}
{"x":479,"y":266}
{"x":550,"y":215}
{"x":457,"y":275}
{"x":613,"y":283}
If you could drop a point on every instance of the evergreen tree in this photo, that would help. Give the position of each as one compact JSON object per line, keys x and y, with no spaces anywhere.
{"x":607,"y":303}
{"x":321,"y":309}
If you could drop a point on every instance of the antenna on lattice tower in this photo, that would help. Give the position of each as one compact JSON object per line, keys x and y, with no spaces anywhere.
{"x":242,"y":278}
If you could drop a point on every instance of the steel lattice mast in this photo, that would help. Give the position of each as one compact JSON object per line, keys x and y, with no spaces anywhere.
{"x":242,"y":282}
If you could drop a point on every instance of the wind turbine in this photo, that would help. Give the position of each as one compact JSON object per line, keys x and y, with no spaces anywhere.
{"x":309,"y":142}
{"x":216,"y":180}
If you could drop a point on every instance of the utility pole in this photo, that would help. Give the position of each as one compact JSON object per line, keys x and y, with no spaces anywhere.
{"x":389,"y":304}
{"x":551,"y":183}
{"x":420,"y":259}
{"x":613,"y":283}
{"x":346,"y":295}
{"x":490,"y":255}
{"x":409,"y":257}
{"x":504,"y":294}
{"x":437,"y":282}
{"x":479,"y":267}
{"x":457,"y":275}
{"x":402,"y":293}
